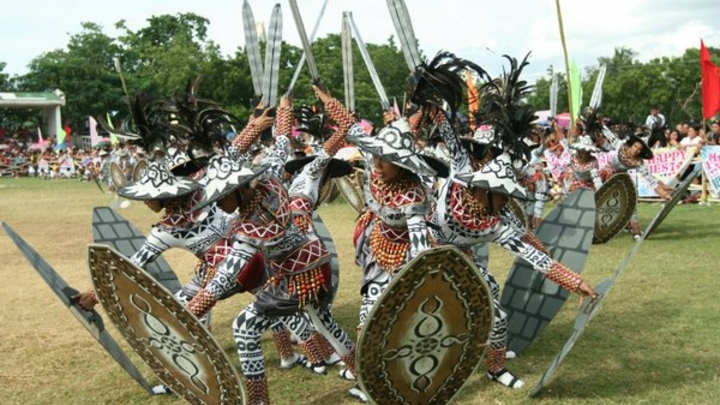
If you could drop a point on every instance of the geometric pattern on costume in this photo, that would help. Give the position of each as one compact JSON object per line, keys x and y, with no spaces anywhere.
{"x":584,"y":175}
{"x":393,"y":143}
{"x":110,"y":228}
{"x":158,"y":183}
{"x":532,"y":300}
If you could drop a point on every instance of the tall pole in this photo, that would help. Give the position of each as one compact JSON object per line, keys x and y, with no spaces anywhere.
{"x":565,"y":53}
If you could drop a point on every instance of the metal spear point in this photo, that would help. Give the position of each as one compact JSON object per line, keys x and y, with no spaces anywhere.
{"x":300,"y":64}
{"x":252,"y":47}
{"x":347,"y":60}
{"x":312,"y":66}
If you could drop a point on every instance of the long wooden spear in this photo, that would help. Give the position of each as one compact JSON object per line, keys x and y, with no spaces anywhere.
{"x":565,"y":53}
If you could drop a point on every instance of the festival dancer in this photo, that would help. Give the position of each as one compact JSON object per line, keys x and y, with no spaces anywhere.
{"x":631,"y":155}
{"x":299,"y":267}
{"x":204,"y":232}
{"x":584,"y":172}
{"x":468,"y":206}
{"x":392,"y":230}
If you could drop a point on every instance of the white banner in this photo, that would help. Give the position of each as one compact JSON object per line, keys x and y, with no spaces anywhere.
{"x":711,"y":165}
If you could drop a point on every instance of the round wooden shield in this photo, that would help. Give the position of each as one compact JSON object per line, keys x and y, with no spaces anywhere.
{"x":614,"y":204}
{"x":328,"y":192}
{"x":428,"y":331}
{"x":360,"y":179}
{"x":139,"y":169}
{"x":117,"y":176}
{"x":181,"y":353}
{"x":350,"y":193}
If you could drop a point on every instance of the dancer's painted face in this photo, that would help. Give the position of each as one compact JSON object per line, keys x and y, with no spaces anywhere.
{"x":385,"y":170}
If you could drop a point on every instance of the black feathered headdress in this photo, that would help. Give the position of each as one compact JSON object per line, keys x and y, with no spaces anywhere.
{"x":503,"y":107}
{"x":439,"y":82}
{"x":200,"y":125}
{"x":148,"y":125}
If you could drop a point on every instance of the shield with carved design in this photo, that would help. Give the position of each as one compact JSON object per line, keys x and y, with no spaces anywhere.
{"x":162,"y":332}
{"x":117,"y":176}
{"x":328,"y":192}
{"x":139,"y":168}
{"x":428,"y":331}
{"x":353,"y":195}
{"x":614,"y":204}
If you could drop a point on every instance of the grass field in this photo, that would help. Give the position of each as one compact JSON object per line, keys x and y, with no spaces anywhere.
{"x":654,"y":342}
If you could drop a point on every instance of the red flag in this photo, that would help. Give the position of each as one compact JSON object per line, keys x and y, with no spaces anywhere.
{"x":710,"y":74}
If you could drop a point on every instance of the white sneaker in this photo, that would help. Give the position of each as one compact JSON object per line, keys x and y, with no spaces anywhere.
{"x":358,"y":394}
{"x":346,"y":374}
{"x":506,"y":378}
{"x":334,"y":359}
{"x":291,"y":362}
{"x":161,"y":389}
{"x":510,"y":354}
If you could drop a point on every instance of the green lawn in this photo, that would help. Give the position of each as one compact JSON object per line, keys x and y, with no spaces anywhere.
{"x":654,"y":342}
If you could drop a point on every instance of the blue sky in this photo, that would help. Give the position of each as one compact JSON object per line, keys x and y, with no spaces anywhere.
{"x":478,"y":30}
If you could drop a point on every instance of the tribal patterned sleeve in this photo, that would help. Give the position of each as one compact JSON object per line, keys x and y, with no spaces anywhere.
{"x":417,"y":227}
{"x":460,"y":156}
{"x":307,"y":183}
{"x":644,"y":172}
{"x":358,"y":130}
{"x":521,"y":247}
{"x":155,"y":244}
{"x":279,"y":156}
{"x":226,"y":278}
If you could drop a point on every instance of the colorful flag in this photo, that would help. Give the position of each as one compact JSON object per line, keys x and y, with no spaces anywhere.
{"x":113,"y":137}
{"x":60,"y":135}
{"x":576,"y":88}
{"x":710,"y":74}
{"x":39,"y":135}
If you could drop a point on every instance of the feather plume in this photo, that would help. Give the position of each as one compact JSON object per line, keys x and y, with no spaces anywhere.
{"x":148,"y":125}
{"x":200,"y":125}
{"x":503,"y":106}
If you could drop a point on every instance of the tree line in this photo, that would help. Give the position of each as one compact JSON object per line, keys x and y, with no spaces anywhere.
{"x":171,"y":50}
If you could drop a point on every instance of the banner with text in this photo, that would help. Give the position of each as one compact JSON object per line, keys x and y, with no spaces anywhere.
{"x":711,"y":165}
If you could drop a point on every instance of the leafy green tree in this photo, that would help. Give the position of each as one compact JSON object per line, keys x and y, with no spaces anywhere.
{"x":83,"y":72}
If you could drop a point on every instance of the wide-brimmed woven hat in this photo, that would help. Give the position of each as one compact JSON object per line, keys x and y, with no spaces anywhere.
{"x":157,"y":182}
{"x":497,"y":175}
{"x":395,"y":143}
{"x":224,"y":175}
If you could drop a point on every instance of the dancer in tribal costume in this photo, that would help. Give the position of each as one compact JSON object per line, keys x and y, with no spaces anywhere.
{"x":299,"y":267}
{"x":584,"y":171}
{"x":468,"y":207}
{"x":392,"y":230}
{"x":309,"y":175}
{"x":205,"y":233}
{"x":557,"y":156}
{"x":631,"y":155}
